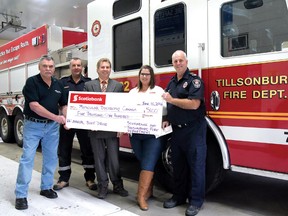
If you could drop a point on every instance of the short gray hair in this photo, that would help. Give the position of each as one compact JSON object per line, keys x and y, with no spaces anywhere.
{"x":46,"y":57}
{"x":76,"y":59}
{"x":177,"y":52}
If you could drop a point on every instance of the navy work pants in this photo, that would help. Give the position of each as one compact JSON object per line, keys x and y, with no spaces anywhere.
{"x":65,"y":150}
{"x":188,"y":145}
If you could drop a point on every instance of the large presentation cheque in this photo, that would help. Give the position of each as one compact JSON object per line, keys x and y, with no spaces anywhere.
{"x":121,"y":112}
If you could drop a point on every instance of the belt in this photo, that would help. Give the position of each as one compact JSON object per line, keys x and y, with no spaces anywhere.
{"x":184,"y":125}
{"x":45,"y":121}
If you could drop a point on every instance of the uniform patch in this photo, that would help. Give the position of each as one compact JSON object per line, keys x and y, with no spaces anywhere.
{"x":196,"y":83}
{"x":185,"y":84}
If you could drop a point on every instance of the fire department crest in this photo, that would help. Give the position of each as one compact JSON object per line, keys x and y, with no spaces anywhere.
{"x":185,"y":84}
{"x":196,"y":83}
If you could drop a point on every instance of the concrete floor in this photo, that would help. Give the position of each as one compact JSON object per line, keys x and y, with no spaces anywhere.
{"x":239,"y":195}
{"x":13,"y":152}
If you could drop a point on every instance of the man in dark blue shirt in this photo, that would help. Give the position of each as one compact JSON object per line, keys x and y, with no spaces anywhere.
{"x":43,"y":97}
{"x":186,"y":113}
{"x":75,"y":82}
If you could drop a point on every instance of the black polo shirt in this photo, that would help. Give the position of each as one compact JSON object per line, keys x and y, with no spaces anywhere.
{"x":36,"y":90}
{"x":191,"y":87}
{"x":70,"y":85}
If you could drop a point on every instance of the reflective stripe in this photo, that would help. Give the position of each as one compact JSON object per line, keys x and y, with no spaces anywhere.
{"x":88,"y":166}
{"x":64,"y":168}
{"x":253,"y":134}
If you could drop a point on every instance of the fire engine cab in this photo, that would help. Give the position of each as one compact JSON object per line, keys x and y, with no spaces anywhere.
{"x":240,"y":50}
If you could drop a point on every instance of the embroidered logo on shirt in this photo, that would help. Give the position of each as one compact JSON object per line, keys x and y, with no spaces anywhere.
{"x":196,"y":83}
{"x":185,"y":84}
{"x":57,"y":91}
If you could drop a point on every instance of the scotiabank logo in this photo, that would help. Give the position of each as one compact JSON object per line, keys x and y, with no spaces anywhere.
{"x":88,"y":98}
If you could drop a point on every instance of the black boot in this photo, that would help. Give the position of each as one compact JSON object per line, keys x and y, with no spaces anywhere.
{"x":21,"y":203}
{"x":118,"y":188}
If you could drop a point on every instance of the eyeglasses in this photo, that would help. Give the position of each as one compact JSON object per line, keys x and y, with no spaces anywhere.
{"x":145,"y":74}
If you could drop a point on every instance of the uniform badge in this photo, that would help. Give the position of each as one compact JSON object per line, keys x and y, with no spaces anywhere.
{"x":196,"y":83}
{"x":185,"y":84}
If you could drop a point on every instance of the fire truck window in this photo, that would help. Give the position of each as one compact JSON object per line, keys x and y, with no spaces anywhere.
{"x":127,"y":45}
{"x":125,"y":7}
{"x":170,"y":33}
{"x":249,"y":28}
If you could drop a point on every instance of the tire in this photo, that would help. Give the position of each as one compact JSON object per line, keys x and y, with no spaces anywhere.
{"x":6,"y":126}
{"x":214,"y":166}
{"x":215,"y":172}
{"x":163,"y":169}
{"x":18,"y":129}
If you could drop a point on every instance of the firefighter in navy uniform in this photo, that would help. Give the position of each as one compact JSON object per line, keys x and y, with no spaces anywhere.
{"x":75,"y":82}
{"x":186,"y":113}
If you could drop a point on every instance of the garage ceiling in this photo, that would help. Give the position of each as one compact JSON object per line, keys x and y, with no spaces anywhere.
{"x":35,"y":13}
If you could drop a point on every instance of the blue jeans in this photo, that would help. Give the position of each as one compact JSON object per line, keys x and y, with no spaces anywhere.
{"x":147,"y":150}
{"x":32,"y":134}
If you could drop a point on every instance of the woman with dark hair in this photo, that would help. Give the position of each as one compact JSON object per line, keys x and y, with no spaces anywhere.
{"x":147,"y":148}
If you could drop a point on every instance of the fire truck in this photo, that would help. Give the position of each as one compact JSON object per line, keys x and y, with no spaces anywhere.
{"x":19,"y":60}
{"x":239,"y":48}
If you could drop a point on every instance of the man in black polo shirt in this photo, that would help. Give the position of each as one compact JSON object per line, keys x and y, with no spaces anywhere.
{"x":43,"y":97}
{"x":74,"y":82}
{"x":186,"y":112}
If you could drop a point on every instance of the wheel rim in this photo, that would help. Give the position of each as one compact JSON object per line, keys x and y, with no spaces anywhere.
{"x":19,"y":129}
{"x":166,"y":159}
{"x":4,"y":126}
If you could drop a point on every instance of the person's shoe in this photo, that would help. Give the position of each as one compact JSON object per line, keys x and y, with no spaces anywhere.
{"x":60,"y":185}
{"x":91,"y":185}
{"x":49,"y":194}
{"x":21,"y":203}
{"x":119,"y":189}
{"x":192,"y":210}
{"x":173,"y":202}
{"x":102,"y":192}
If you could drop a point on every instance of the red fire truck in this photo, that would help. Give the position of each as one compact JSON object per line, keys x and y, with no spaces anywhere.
{"x":239,"y":48}
{"x":18,"y":61}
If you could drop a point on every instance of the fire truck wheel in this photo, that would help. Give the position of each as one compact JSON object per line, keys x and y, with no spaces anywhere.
{"x":163,"y":177}
{"x":214,"y":164}
{"x":18,"y":129}
{"x":6,"y":126}
{"x":163,"y":169}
